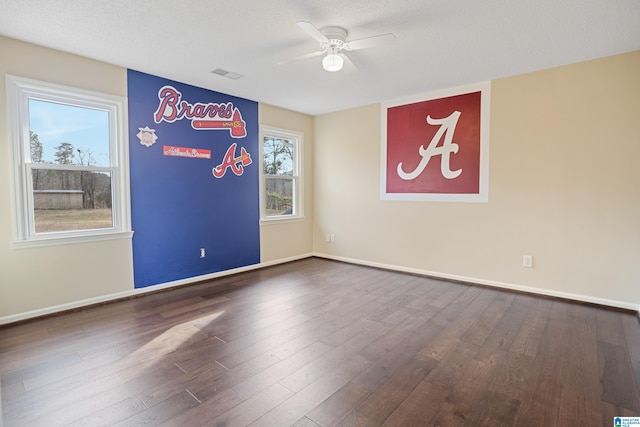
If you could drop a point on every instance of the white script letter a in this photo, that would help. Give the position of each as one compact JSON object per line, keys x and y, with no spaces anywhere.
{"x":447,"y":127}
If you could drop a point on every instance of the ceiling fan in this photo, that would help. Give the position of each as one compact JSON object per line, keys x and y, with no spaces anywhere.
{"x":334,"y":44}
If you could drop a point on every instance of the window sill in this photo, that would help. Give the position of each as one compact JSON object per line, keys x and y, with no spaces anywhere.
{"x":67,"y":240}
{"x":272,"y":221}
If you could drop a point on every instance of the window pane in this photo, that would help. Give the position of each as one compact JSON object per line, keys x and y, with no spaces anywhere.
{"x":278,"y":156}
{"x":67,"y":134}
{"x":279,"y":196}
{"x":71,"y":200}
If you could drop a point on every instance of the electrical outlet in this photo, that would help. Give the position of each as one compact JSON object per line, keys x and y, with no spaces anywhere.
{"x":203,"y":253}
{"x":332,"y":238}
{"x":527,"y":261}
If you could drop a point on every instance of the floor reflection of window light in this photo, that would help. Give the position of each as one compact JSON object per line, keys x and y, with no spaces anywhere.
{"x":172,"y":339}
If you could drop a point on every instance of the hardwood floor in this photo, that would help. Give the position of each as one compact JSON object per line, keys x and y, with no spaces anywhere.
{"x":323,"y":343}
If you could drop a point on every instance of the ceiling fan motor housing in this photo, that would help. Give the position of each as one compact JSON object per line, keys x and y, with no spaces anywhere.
{"x":336,"y":36}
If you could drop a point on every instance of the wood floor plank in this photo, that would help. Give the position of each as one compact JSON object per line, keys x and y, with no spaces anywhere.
{"x":305,"y":422}
{"x":161,"y":412}
{"x":487,"y":318}
{"x":299,"y":342}
{"x":632,"y":340}
{"x":395,"y":387}
{"x":449,"y":294}
{"x":53,"y":401}
{"x":340,"y":354}
{"x":468,"y":307}
{"x":609,"y":327}
{"x":618,"y":385}
{"x":275,"y":373}
{"x":41,"y":351}
{"x":30,"y":374}
{"x":508,"y":389}
{"x":221,"y":403}
{"x":338,"y":405}
{"x":254,"y":342}
{"x":350,"y":330}
{"x":545,"y":397}
{"x":469,"y":398}
{"x":506,"y":330}
{"x":451,"y":367}
{"x":527,"y":340}
{"x":515,"y":376}
{"x":251,"y":409}
{"x":208,"y":385}
{"x":419,"y":406}
{"x":324,"y":343}
{"x":303,"y":401}
{"x":110,"y":415}
{"x":581,"y":400}
{"x":416,"y":326}
{"x":197,"y":306}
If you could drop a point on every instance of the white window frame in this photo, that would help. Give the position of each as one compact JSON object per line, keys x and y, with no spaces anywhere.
{"x":298,"y":203}
{"x":19,"y":91}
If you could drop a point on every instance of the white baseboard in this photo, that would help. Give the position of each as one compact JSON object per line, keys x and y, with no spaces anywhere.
{"x":153,"y":288}
{"x":484,"y":282}
{"x":140,"y":291}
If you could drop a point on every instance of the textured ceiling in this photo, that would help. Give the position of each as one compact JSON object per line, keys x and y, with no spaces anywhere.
{"x":440,"y":43}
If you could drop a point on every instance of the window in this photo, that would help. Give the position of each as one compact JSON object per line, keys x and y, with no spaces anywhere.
{"x":69,"y":164}
{"x":281,"y":183}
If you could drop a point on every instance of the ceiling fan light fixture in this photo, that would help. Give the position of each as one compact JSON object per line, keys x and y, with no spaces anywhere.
{"x":332,"y":62}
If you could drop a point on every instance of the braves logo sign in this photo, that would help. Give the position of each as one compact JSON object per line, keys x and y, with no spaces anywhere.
{"x":436,"y":148}
{"x":209,"y":116}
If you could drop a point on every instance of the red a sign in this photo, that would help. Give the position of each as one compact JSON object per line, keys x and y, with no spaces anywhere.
{"x":436,"y":148}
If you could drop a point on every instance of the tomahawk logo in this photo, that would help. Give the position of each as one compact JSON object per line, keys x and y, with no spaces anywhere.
{"x":209,"y":116}
{"x":233,"y":162}
{"x":448,"y":147}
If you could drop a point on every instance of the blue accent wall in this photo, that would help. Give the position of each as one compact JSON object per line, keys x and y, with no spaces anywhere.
{"x":178,"y":205}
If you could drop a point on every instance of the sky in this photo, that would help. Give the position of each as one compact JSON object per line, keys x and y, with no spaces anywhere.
{"x":86,"y":129}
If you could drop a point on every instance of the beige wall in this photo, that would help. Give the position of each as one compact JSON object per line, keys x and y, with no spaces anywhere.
{"x":34,"y":279}
{"x":564,"y":186}
{"x":291,"y":239}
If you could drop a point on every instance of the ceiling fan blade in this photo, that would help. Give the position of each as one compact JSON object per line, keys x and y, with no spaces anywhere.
{"x":350,"y":61}
{"x":313,"y":31}
{"x":305,"y":56}
{"x":375,"y":41}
